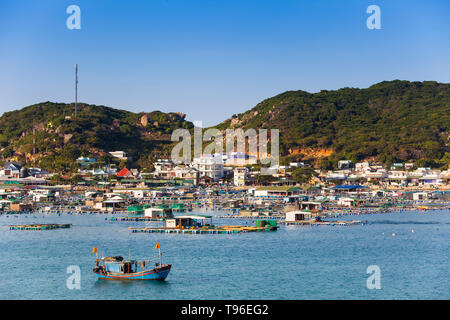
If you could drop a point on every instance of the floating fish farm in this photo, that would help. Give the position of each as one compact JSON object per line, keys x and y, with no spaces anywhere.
{"x":39,"y":226}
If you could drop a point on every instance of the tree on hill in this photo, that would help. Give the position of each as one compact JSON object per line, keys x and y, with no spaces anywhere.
{"x":303,"y":175}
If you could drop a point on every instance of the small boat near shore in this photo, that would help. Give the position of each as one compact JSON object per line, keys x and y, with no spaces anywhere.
{"x":116,"y":268}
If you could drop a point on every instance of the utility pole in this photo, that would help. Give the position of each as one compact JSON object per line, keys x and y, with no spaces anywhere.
{"x":76,"y":88}
{"x":34,"y":138}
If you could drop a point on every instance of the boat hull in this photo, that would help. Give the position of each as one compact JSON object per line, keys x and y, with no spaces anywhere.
{"x":160,"y":274}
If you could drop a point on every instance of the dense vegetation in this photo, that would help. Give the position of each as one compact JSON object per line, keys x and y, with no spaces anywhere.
{"x":59,"y":138}
{"x":389,"y":122}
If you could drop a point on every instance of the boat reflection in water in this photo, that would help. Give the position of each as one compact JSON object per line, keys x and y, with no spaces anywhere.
{"x":116,"y":268}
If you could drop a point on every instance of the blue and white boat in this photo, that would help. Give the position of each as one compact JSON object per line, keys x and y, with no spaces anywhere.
{"x":116,"y":268}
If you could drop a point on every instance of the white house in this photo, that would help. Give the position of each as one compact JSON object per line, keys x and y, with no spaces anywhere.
{"x":398,"y":177}
{"x":11,"y":169}
{"x":346,"y":202}
{"x":294,"y":216}
{"x":238,"y":159}
{"x":156,"y":213}
{"x":164,"y":169}
{"x":296,"y":164}
{"x":333,"y":175}
{"x":344,"y":164}
{"x":419,"y":196}
{"x":122,"y":155}
{"x":209,"y":165}
{"x":362,"y":166}
{"x":240,"y":176}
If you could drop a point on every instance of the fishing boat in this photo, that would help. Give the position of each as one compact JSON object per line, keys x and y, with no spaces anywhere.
{"x":116,"y":268}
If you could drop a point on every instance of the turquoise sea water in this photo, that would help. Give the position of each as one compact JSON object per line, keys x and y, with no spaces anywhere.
{"x":295,"y":262}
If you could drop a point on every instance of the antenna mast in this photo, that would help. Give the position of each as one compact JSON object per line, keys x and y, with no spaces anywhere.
{"x":34,"y":138}
{"x":76,"y":88}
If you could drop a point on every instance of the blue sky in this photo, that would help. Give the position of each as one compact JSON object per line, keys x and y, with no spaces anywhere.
{"x":211,"y":59}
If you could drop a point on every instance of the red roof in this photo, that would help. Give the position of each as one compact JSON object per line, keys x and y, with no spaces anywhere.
{"x":123,"y":173}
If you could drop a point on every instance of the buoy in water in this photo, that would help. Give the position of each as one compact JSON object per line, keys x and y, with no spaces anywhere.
{"x":393,"y":234}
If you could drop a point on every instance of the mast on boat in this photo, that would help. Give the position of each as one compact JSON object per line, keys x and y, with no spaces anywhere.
{"x":160,"y":257}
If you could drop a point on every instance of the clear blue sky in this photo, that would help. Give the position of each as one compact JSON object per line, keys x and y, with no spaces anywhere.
{"x":211,"y":59}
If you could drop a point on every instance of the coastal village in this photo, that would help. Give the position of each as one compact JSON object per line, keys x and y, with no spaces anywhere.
{"x":251,"y":153}
{"x":214,"y":183}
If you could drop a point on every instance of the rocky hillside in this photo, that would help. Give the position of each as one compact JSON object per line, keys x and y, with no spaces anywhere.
{"x":48,"y":135}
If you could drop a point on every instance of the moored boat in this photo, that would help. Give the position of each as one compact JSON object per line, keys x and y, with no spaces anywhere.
{"x":116,"y":268}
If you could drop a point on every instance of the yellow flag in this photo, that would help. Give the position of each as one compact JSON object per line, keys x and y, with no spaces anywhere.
{"x":94,"y":250}
{"x":157,"y":246}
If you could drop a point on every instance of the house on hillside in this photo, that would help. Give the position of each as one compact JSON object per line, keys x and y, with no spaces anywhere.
{"x":124,"y":173}
{"x":85,"y":161}
{"x":38,"y":173}
{"x":122,"y":155}
{"x":344,"y":164}
{"x":205,"y":180}
{"x":362,"y":166}
{"x":163,"y":169}
{"x":240,"y":176}
{"x":99,"y":173}
{"x":209,"y":165}
{"x":11,"y":169}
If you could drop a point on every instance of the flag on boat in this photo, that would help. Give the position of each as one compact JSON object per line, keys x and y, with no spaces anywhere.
{"x":157,"y":246}
{"x":94,"y":250}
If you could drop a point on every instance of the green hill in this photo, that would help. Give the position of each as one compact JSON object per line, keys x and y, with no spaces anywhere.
{"x":58,"y":138}
{"x":388,"y":122}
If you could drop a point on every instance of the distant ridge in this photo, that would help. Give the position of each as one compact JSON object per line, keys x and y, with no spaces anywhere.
{"x":391,"y":121}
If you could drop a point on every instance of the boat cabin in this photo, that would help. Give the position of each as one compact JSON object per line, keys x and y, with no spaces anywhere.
{"x":120,"y":266}
{"x":119,"y":269}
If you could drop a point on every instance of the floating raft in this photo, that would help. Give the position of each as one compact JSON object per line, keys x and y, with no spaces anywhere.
{"x":228,"y":216}
{"x":135,"y":219}
{"x":324,"y":223}
{"x":218,"y":230}
{"x":39,"y":226}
